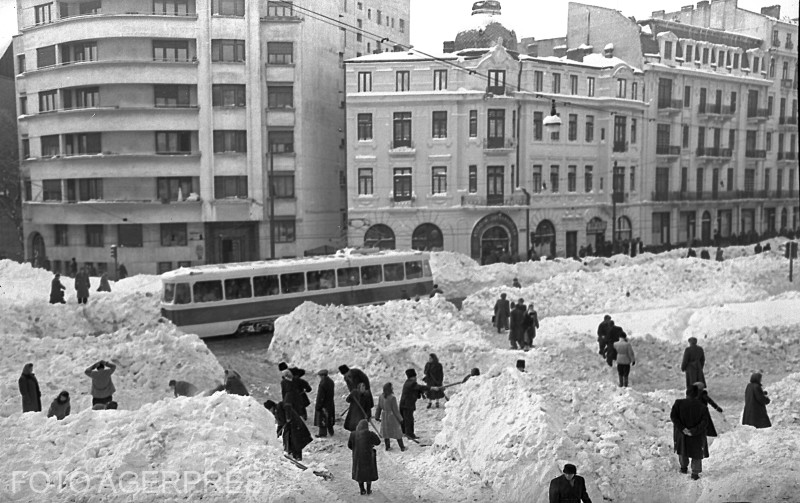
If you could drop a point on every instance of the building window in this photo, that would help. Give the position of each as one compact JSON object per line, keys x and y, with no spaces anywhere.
{"x":687,"y":96}
{"x":79,"y":51}
{"x":749,"y":180}
{"x":439,"y":125}
{"x":440,"y":80}
{"x":279,"y":53}
{"x":51,"y":190}
{"x":572,"y":134}
{"x":280,"y":9}
{"x":130,"y":235}
{"x":171,"y":7}
{"x":379,"y":16}
{"x":402,"y":184}
{"x":587,"y":178}
{"x":731,"y":138}
{"x":50,"y":145}
{"x":47,"y":101}
{"x":46,"y":56}
{"x":439,"y":180}
{"x":62,"y":235}
{"x":402,"y":25}
{"x":634,"y":90}
{"x":685,"y":133}
{"x":26,"y":148}
{"x":667,"y":50}
{"x":230,"y":187}
{"x":283,"y":186}
{"x":233,"y":95}
{"x":172,"y":95}
{"x":632,"y":171}
{"x":735,"y":60}
{"x":496,"y":126}
{"x":364,"y":127}
{"x":402,"y":129}
{"x":230,"y":141}
{"x":173,"y":235}
{"x":229,"y":50}
{"x":85,"y":97}
{"x":365,"y":183}
{"x":82,"y":144}
{"x":473,"y":179}
{"x":281,"y":142}
{"x":620,"y":143}
{"x":590,"y":86}
{"x":43,"y":13}
{"x":538,"y":81}
{"x":554,"y":178}
{"x":20,"y":64}
{"x":622,"y":88}
{"x":536,"y":178}
{"x":537,"y":126}
{"x":495,"y":184}
{"x":572,"y":178}
{"x":473,"y":123}
{"x":633,"y":131}
{"x":173,"y":142}
{"x":284,"y":231}
{"x":769,"y":141}
{"x":364,"y":82}
{"x":403,"y":80}
{"x":573,"y":84}
{"x":359,"y":26}
{"x":227,"y":8}
{"x":497,"y":82}
{"x":170,"y":50}
{"x":556,"y":83}
{"x":94,"y":236}
{"x":589,"y":128}
{"x":90,"y":189}
{"x":688,"y":58}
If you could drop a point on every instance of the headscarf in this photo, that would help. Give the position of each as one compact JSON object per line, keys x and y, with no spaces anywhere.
{"x":756,"y":378}
{"x":434,"y":358}
{"x":27,"y":369}
{"x":387,"y":390}
{"x":362,"y":425}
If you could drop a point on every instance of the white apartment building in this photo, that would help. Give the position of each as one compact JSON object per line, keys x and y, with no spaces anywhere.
{"x":162,"y":126}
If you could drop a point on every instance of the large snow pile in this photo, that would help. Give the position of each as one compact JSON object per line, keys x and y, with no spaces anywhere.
{"x":221,"y":448}
{"x":146,"y":362}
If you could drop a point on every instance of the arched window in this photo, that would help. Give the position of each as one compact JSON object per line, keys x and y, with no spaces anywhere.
{"x":427,"y":237}
{"x":624,"y":229}
{"x":544,"y":240}
{"x":379,"y":236}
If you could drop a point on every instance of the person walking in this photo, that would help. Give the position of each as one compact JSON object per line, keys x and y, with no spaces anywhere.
{"x":434,"y":376}
{"x":529,"y":325}
{"x":29,"y":389}
{"x":303,"y":388}
{"x":569,"y":487}
{"x":365,"y":463}
{"x":690,"y":420}
{"x":702,"y":395}
{"x":82,"y":286}
{"x":392,"y":423}
{"x":59,"y":408}
{"x":436,"y":290}
{"x":324,"y":407}
{"x":57,"y":290}
{"x":602,"y":334}
{"x":719,"y":254}
{"x":516,"y":331}
{"x":291,"y":428}
{"x":412,"y":391}
{"x":755,"y":404}
{"x":625,"y":358}
{"x":694,"y":359}
{"x":502,"y":309}
{"x":104,"y":285}
{"x":102,"y":386}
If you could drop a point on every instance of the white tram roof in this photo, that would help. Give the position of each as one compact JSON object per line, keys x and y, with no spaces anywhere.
{"x":340,"y":258}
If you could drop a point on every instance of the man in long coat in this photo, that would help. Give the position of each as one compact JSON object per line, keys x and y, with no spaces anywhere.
{"x":29,"y":389}
{"x":602,"y":334}
{"x":324,"y":408}
{"x":694,"y":359}
{"x":755,"y":404}
{"x":57,"y":290}
{"x":690,"y":419}
{"x":291,"y":427}
{"x":502,"y":309}
{"x":352,"y":377}
{"x":412,"y":391}
{"x":365,"y":464}
{"x":359,"y":408}
{"x":516,"y":324}
{"x":569,"y":487}
{"x":82,"y":286}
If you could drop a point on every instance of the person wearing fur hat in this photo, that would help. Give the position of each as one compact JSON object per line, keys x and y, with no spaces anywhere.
{"x":29,"y":389}
{"x":291,"y":428}
{"x":290,"y":392}
{"x":324,"y":408}
{"x":434,"y":376}
{"x":60,"y":406}
{"x":569,"y":487}
{"x":412,"y":391}
{"x":352,"y":377}
{"x":755,"y":404}
{"x":303,"y":388}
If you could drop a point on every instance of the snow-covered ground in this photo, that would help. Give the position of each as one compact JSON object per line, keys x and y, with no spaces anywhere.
{"x":501,"y":436}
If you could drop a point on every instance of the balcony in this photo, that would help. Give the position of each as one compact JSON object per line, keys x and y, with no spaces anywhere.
{"x":757,"y":114}
{"x":113,"y":71}
{"x":668,"y":150}
{"x":620,"y":146}
{"x":715,"y":152}
{"x":669,"y":106}
{"x":755,"y":154}
{"x":502,"y":144}
{"x":496,"y":90}
{"x":790,"y":122}
{"x":787,"y":84}
{"x":619,"y":197}
{"x":787,"y":156}
{"x":493,"y":200}
{"x":402,"y":148}
{"x":108,"y":211}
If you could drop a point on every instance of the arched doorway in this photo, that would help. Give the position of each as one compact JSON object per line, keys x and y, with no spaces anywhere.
{"x":596,"y":233}
{"x":427,"y":237}
{"x":624,"y":229}
{"x":705,"y":228}
{"x":379,"y":236}
{"x":544,"y":240}
{"x":38,"y":255}
{"x":494,"y":239}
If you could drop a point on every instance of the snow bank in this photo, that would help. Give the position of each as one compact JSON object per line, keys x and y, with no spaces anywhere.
{"x":221,"y":448}
{"x":146,"y":362}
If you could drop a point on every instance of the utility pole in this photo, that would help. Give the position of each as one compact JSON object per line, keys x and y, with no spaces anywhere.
{"x":614,"y":209}
{"x":271,"y":185}
{"x":527,"y":223}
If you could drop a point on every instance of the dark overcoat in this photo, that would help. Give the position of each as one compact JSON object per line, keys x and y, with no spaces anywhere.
{"x":31,"y":396}
{"x":711,"y":430}
{"x":755,"y":406}
{"x":291,"y":395}
{"x":561,"y":491}
{"x":694,"y":359}
{"x":82,"y":285}
{"x":358,"y":409}
{"x":294,"y":431}
{"x":353,"y":378}
{"x":412,"y":391}
{"x":516,"y":322}
{"x":56,"y":292}
{"x":361,"y":442}
{"x":434,"y":376}
{"x":325,"y":408}
{"x":690,"y":413}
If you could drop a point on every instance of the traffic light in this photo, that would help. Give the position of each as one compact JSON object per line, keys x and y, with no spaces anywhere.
{"x":114,"y":251}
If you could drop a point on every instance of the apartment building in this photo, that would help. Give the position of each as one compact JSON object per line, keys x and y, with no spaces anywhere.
{"x":187,"y":131}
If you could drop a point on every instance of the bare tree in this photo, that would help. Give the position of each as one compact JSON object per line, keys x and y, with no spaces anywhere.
{"x":10,"y":191}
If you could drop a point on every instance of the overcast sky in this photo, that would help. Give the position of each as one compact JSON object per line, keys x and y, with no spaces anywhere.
{"x":434,"y":21}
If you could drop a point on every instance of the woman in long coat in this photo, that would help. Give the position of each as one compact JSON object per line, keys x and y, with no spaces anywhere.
{"x":291,"y":427}
{"x":359,"y":400}
{"x":434,"y":376}
{"x":29,"y":389}
{"x":365,"y":464}
{"x":391,"y":426}
{"x":711,"y":431}
{"x":755,"y":404}
{"x":82,"y":286}
{"x":529,"y":325}
{"x":57,"y":290}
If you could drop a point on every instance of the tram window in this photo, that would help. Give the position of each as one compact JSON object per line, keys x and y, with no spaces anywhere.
{"x":393,"y":272}
{"x":320,"y":280}
{"x":348,"y":276}
{"x":426,"y":269}
{"x":293,"y":282}
{"x":413,"y":270}
{"x":265,"y":285}
{"x":182,"y":293}
{"x":207,"y":291}
{"x":169,"y":293}
{"x":371,"y":274}
{"x":237,"y":288}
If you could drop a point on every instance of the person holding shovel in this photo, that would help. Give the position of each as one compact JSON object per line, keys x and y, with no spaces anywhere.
{"x":412,"y":391}
{"x":324,"y":408}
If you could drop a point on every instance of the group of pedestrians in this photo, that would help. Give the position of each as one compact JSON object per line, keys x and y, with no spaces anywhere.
{"x":613,"y":345}
{"x":82,"y":287}
{"x":519,"y":320}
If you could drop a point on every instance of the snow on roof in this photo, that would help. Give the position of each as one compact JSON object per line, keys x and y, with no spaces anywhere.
{"x":410,"y":55}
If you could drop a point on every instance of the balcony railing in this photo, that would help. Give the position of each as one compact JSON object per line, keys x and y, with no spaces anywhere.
{"x":787,"y":156}
{"x":669,"y":105}
{"x":671,"y":150}
{"x":787,"y":83}
{"x":620,"y":146}
{"x":401,"y":144}
{"x":498,"y":90}
{"x":787,"y":121}
{"x":757,"y":113}
{"x":755,"y":154}
{"x":493,"y":200}
{"x":715,"y":195}
{"x":728,"y":110}
{"x":498,"y":142}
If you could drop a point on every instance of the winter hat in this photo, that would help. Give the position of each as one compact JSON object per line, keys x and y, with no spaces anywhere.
{"x":171,"y":383}
{"x":606,"y":317}
{"x":282,"y":366}
{"x":322,"y":372}
{"x":521,"y":365}
{"x":343,"y":369}
{"x":692,"y":340}
{"x":570,"y":468}
{"x":411,"y":373}
{"x":269,"y":404}
{"x":297,"y":372}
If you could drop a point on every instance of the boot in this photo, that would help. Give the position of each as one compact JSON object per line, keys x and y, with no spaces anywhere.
{"x":388,"y":446}
{"x":400,"y":443}
{"x":625,"y":382}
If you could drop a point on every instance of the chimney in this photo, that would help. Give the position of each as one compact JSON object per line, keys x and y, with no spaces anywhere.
{"x":533,"y":50}
{"x":687,"y":8}
{"x":449,"y":47}
{"x":772,"y":11}
{"x":608,"y":50}
{"x":657,"y":14}
{"x":575,"y":54}
{"x":560,"y":51}
{"x":703,"y":4}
